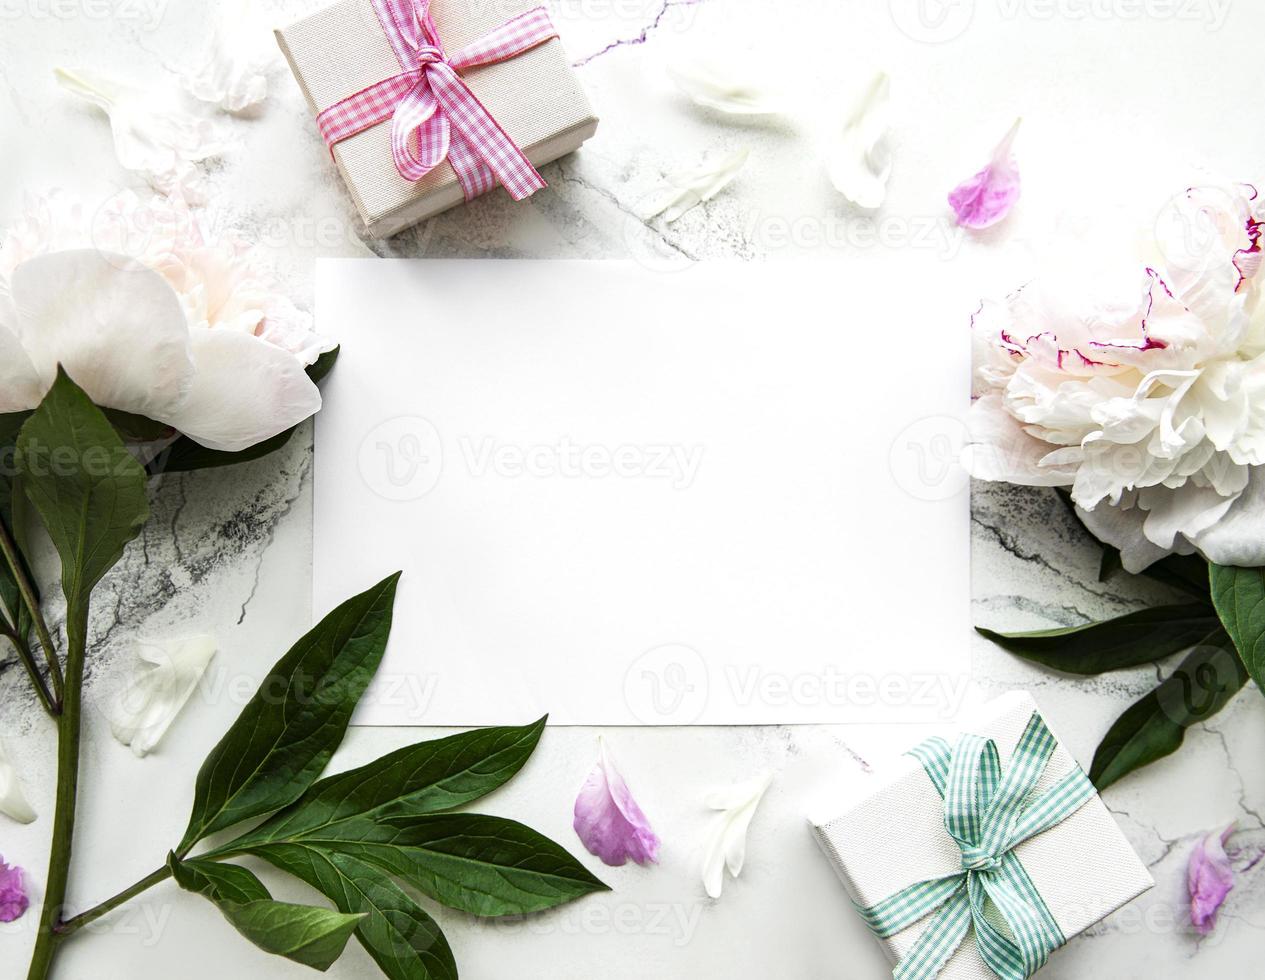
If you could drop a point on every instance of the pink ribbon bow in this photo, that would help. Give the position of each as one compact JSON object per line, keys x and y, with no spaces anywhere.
{"x":434,"y":115}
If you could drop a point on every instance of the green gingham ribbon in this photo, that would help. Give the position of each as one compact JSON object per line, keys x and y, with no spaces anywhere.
{"x":988,"y":813}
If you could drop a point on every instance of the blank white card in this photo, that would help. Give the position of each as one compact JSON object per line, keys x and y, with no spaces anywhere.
{"x":719,"y":495}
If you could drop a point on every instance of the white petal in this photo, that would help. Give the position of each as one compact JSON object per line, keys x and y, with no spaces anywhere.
{"x":233,"y":73}
{"x":1120,"y":526}
{"x":244,"y":391}
{"x":1001,"y":450}
{"x":150,"y":138}
{"x":1239,"y":537}
{"x":699,"y":185}
{"x":13,"y":803}
{"x":723,"y":87}
{"x":726,"y":845}
{"x":166,"y":677}
{"x":116,"y":327}
{"x":20,"y":387}
{"x":861,"y":162}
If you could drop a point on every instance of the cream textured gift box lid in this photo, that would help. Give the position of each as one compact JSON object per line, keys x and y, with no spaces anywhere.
{"x":1083,"y":868}
{"x":535,"y":96}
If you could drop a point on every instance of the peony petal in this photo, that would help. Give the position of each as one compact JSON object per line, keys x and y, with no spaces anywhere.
{"x":13,"y":898}
{"x":727,"y":841}
{"x":244,"y":391}
{"x":986,"y":198}
{"x":116,"y":327}
{"x":20,"y":385}
{"x":1121,"y":526}
{"x":159,"y":142}
{"x":714,"y":84}
{"x":233,"y":73}
{"x":13,"y":803}
{"x":1209,"y":879}
{"x":1001,"y":450}
{"x":701,"y":184}
{"x":164,"y":681}
{"x":861,"y":161}
{"x":1239,"y":537}
{"x":608,"y":820}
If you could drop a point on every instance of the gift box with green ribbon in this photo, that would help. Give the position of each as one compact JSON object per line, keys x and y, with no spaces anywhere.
{"x":984,"y":852}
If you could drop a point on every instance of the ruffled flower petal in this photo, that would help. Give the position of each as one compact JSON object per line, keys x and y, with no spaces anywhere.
{"x":13,"y":898}
{"x":20,"y":385}
{"x":727,"y":841}
{"x":113,"y":324}
{"x":713,"y":84}
{"x":233,"y":75}
{"x":693,"y":187}
{"x":244,"y":391}
{"x":168,"y":672}
{"x":162,"y":144}
{"x":608,"y":820}
{"x":986,"y":198}
{"x":13,"y":802}
{"x":1209,"y":879}
{"x":860,"y":162}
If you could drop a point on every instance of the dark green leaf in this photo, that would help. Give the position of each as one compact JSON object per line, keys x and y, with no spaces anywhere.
{"x":483,"y":865}
{"x":315,"y":937}
{"x":1239,"y":594}
{"x":138,"y":428}
{"x":1154,"y":727}
{"x":219,"y":882}
{"x":403,"y":940}
{"x":184,"y":454}
{"x":286,"y":734}
{"x":87,"y":488}
{"x":1126,"y":641}
{"x":428,"y":777}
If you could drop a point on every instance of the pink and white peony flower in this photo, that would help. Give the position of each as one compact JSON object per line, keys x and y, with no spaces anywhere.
{"x":1147,"y":400}
{"x":152,"y":316}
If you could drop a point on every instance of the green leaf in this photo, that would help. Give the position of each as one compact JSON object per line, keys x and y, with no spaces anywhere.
{"x":286,"y":734}
{"x":185,"y":455}
{"x":313,"y":936}
{"x":219,"y":882}
{"x":9,"y":425}
{"x":136,"y":427}
{"x":1155,"y":726}
{"x":428,"y":777}
{"x":87,"y":488}
{"x":482,"y":865}
{"x":1126,"y":641}
{"x":403,"y":940}
{"x":1239,"y":595}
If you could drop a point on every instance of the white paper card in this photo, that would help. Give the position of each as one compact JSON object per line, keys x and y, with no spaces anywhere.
{"x":721,"y":495}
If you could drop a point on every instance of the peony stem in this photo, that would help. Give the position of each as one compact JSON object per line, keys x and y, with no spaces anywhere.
{"x":68,"y":731}
{"x":73,"y":925}
{"x":32,"y":603}
{"x":11,"y":634}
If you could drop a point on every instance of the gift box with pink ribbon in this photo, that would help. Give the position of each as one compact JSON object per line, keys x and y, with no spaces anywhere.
{"x":425,"y":104}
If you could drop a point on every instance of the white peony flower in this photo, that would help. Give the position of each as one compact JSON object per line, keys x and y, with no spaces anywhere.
{"x":166,"y":677}
{"x":1147,"y":401}
{"x":150,"y":316}
{"x":151,"y":138}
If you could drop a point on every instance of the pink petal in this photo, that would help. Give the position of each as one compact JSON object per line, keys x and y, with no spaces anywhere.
{"x":608,"y":820}
{"x":1209,"y":877}
{"x":13,"y":900}
{"x":986,"y":198}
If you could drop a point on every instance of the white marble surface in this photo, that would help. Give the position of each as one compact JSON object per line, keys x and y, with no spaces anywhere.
{"x":1120,"y":98}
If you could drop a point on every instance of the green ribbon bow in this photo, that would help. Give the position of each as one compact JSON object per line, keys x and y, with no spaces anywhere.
{"x":988,"y":814}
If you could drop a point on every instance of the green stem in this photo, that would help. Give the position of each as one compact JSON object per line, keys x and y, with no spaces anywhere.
{"x":28,"y":661}
{"x":47,"y":938}
{"x":32,"y":603}
{"x":71,"y":926}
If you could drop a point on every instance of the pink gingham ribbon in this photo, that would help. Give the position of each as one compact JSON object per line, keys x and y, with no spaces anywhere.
{"x":434,"y":115}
